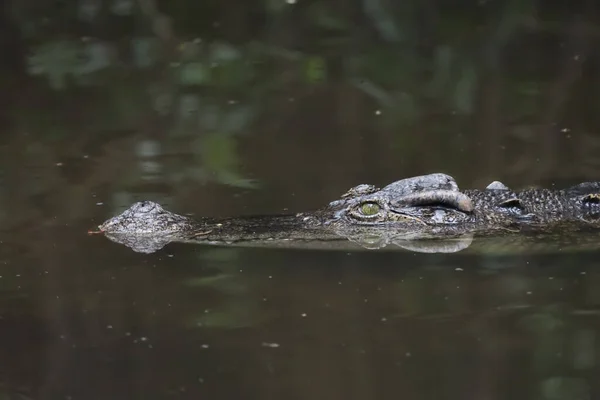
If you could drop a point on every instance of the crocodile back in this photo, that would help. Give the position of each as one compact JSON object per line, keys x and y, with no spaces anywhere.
{"x":581,"y":202}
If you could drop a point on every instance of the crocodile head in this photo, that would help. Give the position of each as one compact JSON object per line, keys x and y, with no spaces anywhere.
{"x":412,"y":206}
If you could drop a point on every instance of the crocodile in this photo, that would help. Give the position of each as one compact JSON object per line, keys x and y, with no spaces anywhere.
{"x":405,"y":213}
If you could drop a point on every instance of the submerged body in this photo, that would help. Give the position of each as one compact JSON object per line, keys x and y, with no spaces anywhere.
{"x":423,"y":207}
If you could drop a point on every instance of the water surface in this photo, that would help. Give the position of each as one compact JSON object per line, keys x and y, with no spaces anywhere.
{"x":83,"y":317}
{"x":234,"y":108}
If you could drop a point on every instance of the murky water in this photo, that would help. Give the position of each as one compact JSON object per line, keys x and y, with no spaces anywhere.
{"x":281,"y":107}
{"x":83,"y":317}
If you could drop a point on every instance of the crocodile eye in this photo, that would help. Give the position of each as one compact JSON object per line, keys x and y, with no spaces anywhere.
{"x":368,"y":212}
{"x":369,"y":209}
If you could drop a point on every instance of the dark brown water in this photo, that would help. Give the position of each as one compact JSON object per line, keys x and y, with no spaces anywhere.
{"x":91,"y":319}
{"x":83,"y":317}
{"x":230,"y":108}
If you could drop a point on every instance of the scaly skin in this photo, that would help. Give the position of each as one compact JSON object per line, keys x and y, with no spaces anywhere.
{"x":429,"y":206}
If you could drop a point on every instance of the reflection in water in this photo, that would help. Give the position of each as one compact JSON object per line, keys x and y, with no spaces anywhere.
{"x":279,"y":106}
{"x":95,"y":320}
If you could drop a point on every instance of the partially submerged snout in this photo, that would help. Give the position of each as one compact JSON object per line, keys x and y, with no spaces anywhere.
{"x":143,"y":218}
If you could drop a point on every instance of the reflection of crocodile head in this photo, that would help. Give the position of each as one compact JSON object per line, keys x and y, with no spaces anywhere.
{"x":429,"y":206}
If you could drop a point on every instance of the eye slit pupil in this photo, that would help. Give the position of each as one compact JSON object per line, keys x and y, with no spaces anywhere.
{"x":369,"y":209}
